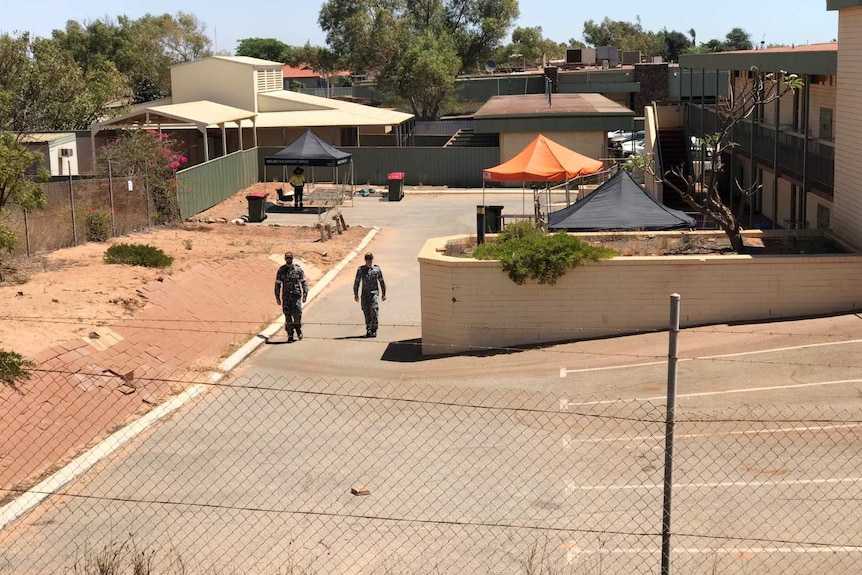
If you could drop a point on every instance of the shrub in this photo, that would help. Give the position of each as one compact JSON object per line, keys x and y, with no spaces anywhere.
{"x":528,"y":252}
{"x":13,"y":368}
{"x":138,"y":255}
{"x":98,"y":224}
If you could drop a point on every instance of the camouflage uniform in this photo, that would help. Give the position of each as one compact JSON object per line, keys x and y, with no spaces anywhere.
{"x":371,"y":279}
{"x":291,"y":287}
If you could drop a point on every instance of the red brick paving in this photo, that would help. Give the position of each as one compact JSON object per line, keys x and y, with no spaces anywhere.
{"x":71,"y":401}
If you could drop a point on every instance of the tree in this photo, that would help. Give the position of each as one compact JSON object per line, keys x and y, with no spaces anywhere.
{"x":675,"y":44}
{"x":369,"y":34}
{"x":321,"y":60}
{"x":424,"y":75}
{"x":150,"y":155}
{"x":738,"y":39}
{"x":15,"y":187}
{"x":44,"y":90}
{"x":693,"y":33}
{"x":263,"y":48}
{"x":478,"y":26}
{"x":532,"y":45}
{"x":625,"y":36}
{"x":745,"y":97}
{"x":142,"y":50}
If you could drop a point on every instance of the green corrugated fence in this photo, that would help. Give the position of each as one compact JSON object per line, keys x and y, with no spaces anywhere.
{"x":205,"y":185}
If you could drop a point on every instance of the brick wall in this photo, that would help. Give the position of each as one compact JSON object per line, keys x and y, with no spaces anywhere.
{"x":653,"y":79}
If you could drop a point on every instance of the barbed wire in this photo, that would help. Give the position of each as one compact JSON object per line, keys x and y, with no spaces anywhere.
{"x":439,"y":522}
{"x":159,"y":325}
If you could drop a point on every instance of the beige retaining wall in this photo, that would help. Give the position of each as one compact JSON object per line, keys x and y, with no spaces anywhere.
{"x":469,"y":304}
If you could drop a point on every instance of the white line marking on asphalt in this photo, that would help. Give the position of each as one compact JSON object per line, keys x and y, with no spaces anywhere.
{"x":564,"y":371}
{"x":723,"y":392}
{"x":572,"y":554}
{"x":572,"y":487}
{"x":83,"y":463}
{"x":770,"y":431}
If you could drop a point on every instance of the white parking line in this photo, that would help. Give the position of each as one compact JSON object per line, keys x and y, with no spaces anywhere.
{"x":768,"y":431}
{"x":723,"y":392}
{"x":564,"y":371}
{"x":572,"y":487}
{"x":572,"y":554}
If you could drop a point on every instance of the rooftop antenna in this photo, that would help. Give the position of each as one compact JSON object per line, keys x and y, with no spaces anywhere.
{"x":763,"y":42}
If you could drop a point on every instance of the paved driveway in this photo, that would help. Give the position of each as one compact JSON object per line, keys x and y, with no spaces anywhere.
{"x":475,"y":460}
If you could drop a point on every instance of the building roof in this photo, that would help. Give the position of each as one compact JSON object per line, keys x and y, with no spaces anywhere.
{"x":303,"y":71}
{"x":803,"y":59}
{"x":47,"y":137}
{"x":561,"y":105}
{"x":294,"y":110}
{"x":249,"y":60}
{"x":298,"y":109}
{"x":298,"y":72}
{"x":201,"y":113}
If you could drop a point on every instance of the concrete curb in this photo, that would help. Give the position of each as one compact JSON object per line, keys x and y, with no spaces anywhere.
{"x":26,"y":502}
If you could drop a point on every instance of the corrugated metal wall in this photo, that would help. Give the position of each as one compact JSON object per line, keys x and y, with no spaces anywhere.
{"x":205,"y":185}
{"x":453,"y":167}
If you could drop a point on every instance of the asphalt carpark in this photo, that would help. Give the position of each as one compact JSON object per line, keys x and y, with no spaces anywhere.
{"x":473,"y":459}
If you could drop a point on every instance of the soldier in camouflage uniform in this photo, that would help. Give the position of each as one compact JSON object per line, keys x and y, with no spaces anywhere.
{"x":291,"y":290}
{"x":370,"y":276}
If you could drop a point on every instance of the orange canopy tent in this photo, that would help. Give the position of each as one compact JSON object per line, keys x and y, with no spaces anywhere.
{"x":543,"y":160}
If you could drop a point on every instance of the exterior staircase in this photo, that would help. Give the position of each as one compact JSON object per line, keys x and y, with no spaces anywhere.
{"x":674,"y":153}
{"x":467,"y":138}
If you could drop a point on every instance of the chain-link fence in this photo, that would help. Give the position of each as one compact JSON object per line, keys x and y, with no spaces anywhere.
{"x":123,"y":204}
{"x":166,"y":473}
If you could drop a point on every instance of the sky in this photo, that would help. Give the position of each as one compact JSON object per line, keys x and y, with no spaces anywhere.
{"x":294,"y":22}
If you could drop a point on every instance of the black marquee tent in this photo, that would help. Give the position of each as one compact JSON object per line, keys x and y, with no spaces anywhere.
{"x":618,"y":204}
{"x":310,"y":150}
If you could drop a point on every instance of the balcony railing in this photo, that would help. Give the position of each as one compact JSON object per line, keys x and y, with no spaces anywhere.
{"x":762,"y":146}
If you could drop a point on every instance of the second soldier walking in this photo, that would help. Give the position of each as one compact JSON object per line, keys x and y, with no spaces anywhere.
{"x":291,"y":291}
{"x":370,"y":278}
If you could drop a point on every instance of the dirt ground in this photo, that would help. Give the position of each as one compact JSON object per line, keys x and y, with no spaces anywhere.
{"x":76,"y":283}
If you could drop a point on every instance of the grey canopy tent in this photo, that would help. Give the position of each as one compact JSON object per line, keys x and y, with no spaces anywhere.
{"x":618,"y":204}
{"x":309,"y":150}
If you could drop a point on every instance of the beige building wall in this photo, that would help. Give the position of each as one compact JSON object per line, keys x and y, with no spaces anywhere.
{"x":847,"y":214}
{"x":590,"y":144}
{"x":221,"y":81}
{"x":821,"y":96}
{"x":469,"y":304}
{"x":784,"y":192}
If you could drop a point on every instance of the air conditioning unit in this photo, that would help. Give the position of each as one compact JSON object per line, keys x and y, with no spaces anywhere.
{"x":66,"y":152}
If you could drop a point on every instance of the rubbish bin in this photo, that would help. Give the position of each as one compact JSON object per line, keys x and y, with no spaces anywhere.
{"x":256,"y":206}
{"x":493,"y":219}
{"x":396,"y":186}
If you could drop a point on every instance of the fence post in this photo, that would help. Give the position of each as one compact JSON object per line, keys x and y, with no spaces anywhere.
{"x":27,"y":233}
{"x":668,"y":434}
{"x":111,"y":195}
{"x":72,"y":203}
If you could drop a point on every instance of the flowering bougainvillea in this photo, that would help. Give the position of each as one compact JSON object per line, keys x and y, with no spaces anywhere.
{"x":151,"y":155}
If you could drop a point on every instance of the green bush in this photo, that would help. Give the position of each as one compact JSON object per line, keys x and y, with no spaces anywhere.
{"x":98,"y":224}
{"x":138,"y":255}
{"x":528,"y":252}
{"x":13,"y":368}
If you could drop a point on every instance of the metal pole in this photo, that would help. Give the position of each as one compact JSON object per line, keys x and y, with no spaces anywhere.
{"x":72,"y":203}
{"x":111,"y":194}
{"x":668,"y":434}
{"x":27,"y":233}
{"x":480,"y":225}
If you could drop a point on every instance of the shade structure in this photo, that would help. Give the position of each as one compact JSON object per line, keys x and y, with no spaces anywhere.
{"x":308,"y":150}
{"x":618,"y":204}
{"x":543,"y":160}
